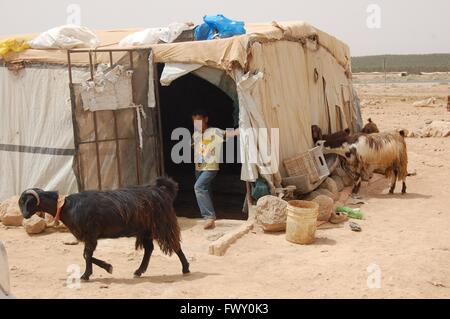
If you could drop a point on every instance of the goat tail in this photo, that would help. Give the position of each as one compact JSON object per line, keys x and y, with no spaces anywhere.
{"x":165,"y":228}
{"x":167,"y":232}
{"x":157,"y":216}
{"x":168,"y":184}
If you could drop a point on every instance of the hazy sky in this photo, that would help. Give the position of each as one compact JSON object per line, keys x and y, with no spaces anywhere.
{"x":414,"y":26}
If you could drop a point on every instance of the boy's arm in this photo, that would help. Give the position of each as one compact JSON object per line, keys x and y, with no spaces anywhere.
{"x":229,"y":134}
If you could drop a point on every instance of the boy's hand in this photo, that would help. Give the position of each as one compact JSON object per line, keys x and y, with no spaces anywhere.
{"x":233,"y":133}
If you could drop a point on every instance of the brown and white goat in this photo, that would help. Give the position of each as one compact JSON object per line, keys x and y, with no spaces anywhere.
{"x":370,"y":127}
{"x":383,"y":153}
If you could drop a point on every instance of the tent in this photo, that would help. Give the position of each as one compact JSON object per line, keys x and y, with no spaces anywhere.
{"x":280,"y":75}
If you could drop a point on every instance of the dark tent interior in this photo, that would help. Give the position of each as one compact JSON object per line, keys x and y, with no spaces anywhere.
{"x":177,"y":102}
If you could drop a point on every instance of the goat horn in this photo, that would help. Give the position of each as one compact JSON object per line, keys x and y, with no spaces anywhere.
{"x":35,"y":194}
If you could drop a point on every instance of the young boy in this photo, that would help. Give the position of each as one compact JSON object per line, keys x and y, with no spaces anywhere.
{"x":207,"y":146}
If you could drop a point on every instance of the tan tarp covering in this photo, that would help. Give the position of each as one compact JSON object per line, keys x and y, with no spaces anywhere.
{"x":221,"y":53}
{"x":291,"y":99}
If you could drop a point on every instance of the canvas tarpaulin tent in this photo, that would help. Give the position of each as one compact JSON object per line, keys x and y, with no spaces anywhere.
{"x":288,"y":75}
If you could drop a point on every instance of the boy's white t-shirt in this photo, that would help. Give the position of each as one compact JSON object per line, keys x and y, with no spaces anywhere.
{"x":207,"y":147}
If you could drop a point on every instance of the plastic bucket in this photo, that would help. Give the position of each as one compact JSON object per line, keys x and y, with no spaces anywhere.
{"x":301,"y":221}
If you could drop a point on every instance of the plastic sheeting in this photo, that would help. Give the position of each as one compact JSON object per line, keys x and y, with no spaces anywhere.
{"x":110,"y":90}
{"x":217,"y":77}
{"x":36,"y":131}
{"x":250,"y":121}
{"x":173,"y":71}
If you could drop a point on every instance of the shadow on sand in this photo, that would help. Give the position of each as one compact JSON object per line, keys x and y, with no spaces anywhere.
{"x":379,"y":188}
{"x":159,"y":279}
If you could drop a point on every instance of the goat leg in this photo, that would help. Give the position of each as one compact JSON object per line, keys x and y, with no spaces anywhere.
{"x":183,"y":260}
{"x":89,"y":248}
{"x":357,"y":186}
{"x":148,"y":246}
{"x":393,"y":182}
{"x":103,"y":264}
{"x":404,"y":188}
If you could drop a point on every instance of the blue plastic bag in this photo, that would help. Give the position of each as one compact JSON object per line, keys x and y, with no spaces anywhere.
{"x":203,"y":32}
{"x":218,"y":26}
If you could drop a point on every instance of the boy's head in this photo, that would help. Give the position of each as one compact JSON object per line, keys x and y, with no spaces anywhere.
{"x":200,"y":119}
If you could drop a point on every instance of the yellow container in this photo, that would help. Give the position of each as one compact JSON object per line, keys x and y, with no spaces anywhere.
{"x":301,"y":221}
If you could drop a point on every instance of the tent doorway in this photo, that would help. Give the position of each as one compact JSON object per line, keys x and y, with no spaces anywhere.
{"x":177,"y":102}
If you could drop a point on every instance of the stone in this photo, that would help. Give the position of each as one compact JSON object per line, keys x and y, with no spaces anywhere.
{"x":339,"y":182}
{"x":215,"y":236}
{"x":13,"y":201}
{"x":220,"y":246}
{"x":70,"y":240}
{"x":34,"y":225}
{"x":325,"y":207}
{"x":49,"y":220}
{"x":434,"y":129}
{"x":13,"y":216}
{"x":330,"y":185}
{"x":337,"y":218}
{"x":425,"y":103}
{"x":318,"y":192}
{"x":271,"y":213}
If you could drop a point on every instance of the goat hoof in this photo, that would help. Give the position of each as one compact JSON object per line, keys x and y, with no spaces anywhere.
{"x":85,"y":277}
{"x":186,"y":270}
{"x":110,"y":269}
{"x":137,"y":274}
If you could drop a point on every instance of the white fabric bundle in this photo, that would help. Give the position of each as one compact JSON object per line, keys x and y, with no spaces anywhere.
{"x":154,"y":35}
{"x":65,"y":37}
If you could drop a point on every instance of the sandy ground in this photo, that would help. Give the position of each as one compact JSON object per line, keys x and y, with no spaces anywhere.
{"x":405,"y":239}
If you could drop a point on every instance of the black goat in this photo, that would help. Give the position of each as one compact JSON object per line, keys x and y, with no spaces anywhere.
{"x":145,"y":212}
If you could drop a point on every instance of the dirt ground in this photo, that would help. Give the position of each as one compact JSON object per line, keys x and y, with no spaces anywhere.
{"x":405,"y":238}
